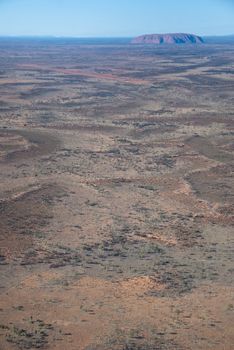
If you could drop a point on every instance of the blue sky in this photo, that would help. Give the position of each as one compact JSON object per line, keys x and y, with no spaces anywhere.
{"x":84,"y":18}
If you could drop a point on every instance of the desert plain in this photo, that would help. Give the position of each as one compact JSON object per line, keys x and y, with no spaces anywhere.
{"x":116,"y":196}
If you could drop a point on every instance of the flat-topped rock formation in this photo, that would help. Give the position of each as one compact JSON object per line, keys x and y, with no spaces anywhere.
{"x":176,"y":38}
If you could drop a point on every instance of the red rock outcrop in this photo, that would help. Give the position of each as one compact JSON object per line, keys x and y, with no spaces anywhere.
{"x":174,"y":38}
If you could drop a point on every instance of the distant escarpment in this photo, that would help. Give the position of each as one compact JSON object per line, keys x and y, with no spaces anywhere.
{"x":176,"y":38}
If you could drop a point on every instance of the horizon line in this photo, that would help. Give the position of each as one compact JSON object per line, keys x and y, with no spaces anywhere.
{"x":96,"y":37}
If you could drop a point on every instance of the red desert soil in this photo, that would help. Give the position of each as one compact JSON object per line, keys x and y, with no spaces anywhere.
{"x":85,"y":73}
{"x":116,"y":196}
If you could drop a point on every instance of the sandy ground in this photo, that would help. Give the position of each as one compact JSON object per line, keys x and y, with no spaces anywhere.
{"x":116,"y":197}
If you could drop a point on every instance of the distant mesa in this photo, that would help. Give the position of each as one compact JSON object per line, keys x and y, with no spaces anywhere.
{"x":176,"y":38}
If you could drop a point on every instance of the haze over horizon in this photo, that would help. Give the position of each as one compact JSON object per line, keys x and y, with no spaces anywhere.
{"x":102,"y":18}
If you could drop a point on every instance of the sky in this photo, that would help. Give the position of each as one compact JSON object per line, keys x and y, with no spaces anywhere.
{"x":115,"y":18}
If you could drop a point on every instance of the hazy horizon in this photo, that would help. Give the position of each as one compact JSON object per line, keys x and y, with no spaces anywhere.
{"x":100,"y":37}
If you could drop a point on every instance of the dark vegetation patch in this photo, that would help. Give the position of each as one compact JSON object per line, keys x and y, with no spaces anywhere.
{"x":101,"y":129}
{"x":150,"y":129}
{"x":35,"y":336}
{"x":46,"y":118}
{"x":214,"y":185}
{"x":136,"y":339}
{"x":22,"y":219}
{"x":208,"y":81}
{"x":40,"y":144}
{"x":37,"y":92}
{"x":187,"y":228}
{"x":122,"y":256}
{"x":209,"y":149}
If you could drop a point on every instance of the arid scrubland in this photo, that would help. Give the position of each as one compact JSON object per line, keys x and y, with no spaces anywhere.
{"x":116,"y":196}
